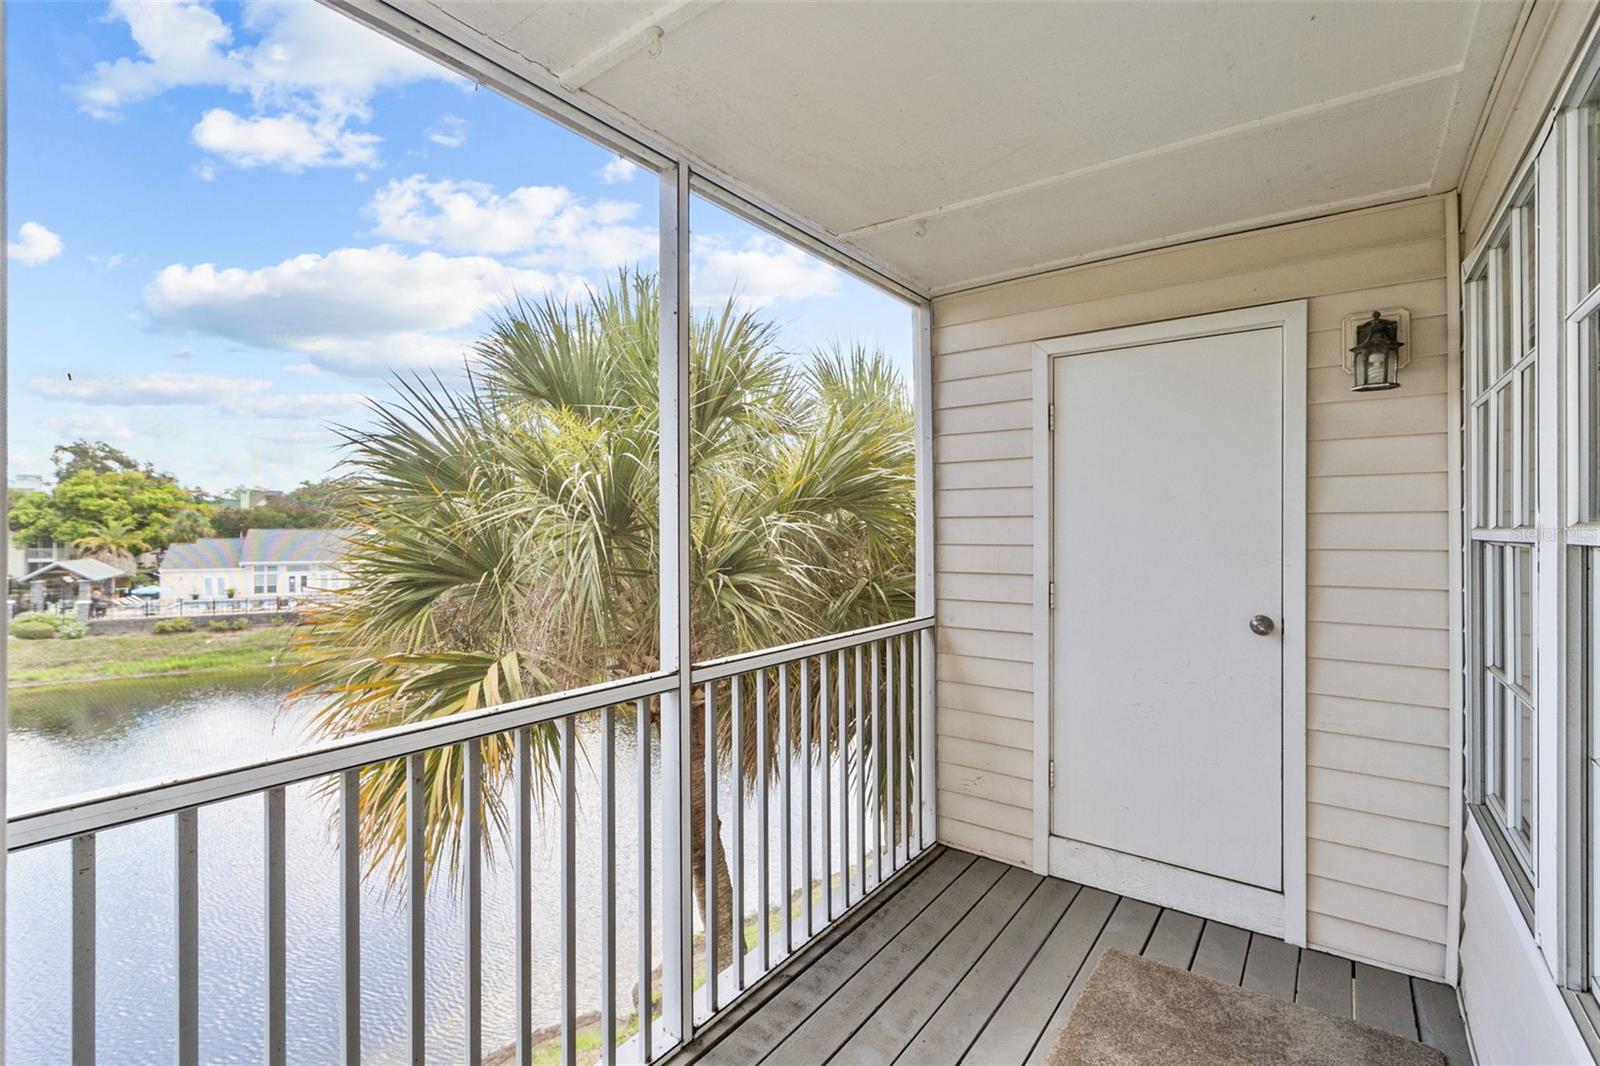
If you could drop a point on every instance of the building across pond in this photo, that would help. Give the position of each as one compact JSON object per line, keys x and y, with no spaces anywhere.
{"x":286,"y":563}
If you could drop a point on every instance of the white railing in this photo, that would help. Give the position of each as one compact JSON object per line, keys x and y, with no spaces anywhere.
{"x":835,"y":733}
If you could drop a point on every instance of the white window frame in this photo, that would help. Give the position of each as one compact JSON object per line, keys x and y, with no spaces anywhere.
{"x":1575,"y":667}
{"x":1502,"y":522}
{"x":1565,"y":530}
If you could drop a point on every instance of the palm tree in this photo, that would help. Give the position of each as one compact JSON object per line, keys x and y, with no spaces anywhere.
{"x":507,"y":533}
{"x":115,"y":541}
{"x":189,"y":524}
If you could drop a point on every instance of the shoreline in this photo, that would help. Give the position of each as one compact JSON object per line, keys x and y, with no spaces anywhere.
{"x":99,"y":659}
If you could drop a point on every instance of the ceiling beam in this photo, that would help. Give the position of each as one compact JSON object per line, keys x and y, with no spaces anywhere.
{"x":1283,"y":118}
{"x":642,"y":35}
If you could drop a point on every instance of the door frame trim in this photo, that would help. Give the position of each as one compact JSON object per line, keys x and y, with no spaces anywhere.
{"x":1291,"y":318}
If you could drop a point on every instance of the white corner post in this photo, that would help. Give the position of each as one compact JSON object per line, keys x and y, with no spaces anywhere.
{"x":677,"y":996}
{"x":922,"y":407}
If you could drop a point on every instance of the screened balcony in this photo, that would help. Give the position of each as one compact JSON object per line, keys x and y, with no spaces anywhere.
{"x":988,"y":533}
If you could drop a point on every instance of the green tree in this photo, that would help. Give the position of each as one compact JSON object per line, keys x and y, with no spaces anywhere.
{"x":508,"y":532}
{"x":305,"y":507}
{"x":97,"y":457}
{"x":84,"y":503}
{"x":189,"y":525}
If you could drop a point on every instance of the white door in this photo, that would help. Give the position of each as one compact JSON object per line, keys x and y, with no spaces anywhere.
{"x":1168,"y":542}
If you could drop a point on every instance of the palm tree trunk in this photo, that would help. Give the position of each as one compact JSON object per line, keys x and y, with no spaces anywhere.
{"x":697,"y":850}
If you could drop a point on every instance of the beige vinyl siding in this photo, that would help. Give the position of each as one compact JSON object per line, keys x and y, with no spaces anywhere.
{"x":1378,"y":694}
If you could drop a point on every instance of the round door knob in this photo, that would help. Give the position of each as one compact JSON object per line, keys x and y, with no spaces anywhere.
{"x":1261,"y":625}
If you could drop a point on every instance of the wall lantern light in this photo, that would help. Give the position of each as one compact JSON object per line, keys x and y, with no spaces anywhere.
{"x":1375,"y":349}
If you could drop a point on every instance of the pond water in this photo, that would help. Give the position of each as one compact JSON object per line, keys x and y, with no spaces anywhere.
{"x":66,"y":740}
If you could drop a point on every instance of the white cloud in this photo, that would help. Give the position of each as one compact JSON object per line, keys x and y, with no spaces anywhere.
{"x":618,"y":170}
{"x":759,"y":271}
{"x":450,"y":131}
{"x":245,"y":397}
{"x":106,"y":262}
{"x":545,"y":226}
{"x":309,"y":66}
{"x":288,"y":142}
{"x":357,"y":310}
{"x":35,"y":245}
{"x":99,"y":426}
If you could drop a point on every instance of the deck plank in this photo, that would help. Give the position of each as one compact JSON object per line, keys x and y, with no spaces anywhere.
{"x":832,"y":1022}
{"x":1221,"y":953}
{"x":1439,"y":1021}
{"x":1175,"y":938}
{"x":1324,"y":983}
{"x":959,"y":1020}
{"x":916,"y":998}
{"x":1128,"y":929}
{"x":969,"y":960}
{"x":1271,"y":967}
{"x":1016,"y":1025}
{"x":781,"y":1014}
{"x":1383,"y":1001}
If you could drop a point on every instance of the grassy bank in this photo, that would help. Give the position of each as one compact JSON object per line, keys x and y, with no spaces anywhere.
{"x":106,"y":658}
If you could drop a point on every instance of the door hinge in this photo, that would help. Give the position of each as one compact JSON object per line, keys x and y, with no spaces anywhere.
{"x":1052,"y":773}
{"x":1052,"y":595}
{"x":1051,"y":418}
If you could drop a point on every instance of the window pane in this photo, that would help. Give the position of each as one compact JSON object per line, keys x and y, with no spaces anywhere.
{"x":1523,"y":563}
{"x":1479,"y":465}
{"x":1505,"y":332}
{"x":1527,"y":777}
{"x":1491,"y":736}
{"x":1527,"y":275}
{"x":1493,"y":633}
{"x":1585,"y":427}
{"x":1528,"y":504}
{"x":1477,"y":338}
{"x":1506,"y":456}
{"x":1591,"y":115}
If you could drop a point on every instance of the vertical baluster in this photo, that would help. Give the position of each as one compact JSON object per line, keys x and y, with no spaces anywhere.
{"x":416,"y":907}
{"x":608,"y":886}
{"x":83,"y":950}
{"x":711,"y":844}
{"x":350,"y":917}
{"x":736,"y":788}
{"x":891,"y":753}
{"x":904,"y":696}
{"x":569,"y":894}
{"x":824,"y":725}
{"x":472,"y":894}
{"x":522,"y":787}
{"x":861,"y":785}
{"x":763,"y":877}
{"x":646,"y":880}
{"x":272,"y":801}
{"x":186,"y":848}
{"x":844,"y":781}
{"x":917,"y":713}
{"x":809,"y":863}
{"x":877,"y":772}
{"x":785,"y":808}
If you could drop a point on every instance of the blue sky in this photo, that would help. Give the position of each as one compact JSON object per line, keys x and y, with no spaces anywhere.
{"x":229,"y":223}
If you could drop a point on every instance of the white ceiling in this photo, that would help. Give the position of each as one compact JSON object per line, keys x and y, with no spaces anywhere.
{"x":963,"y":142}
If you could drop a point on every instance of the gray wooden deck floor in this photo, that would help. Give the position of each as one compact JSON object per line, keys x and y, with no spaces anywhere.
{"x":966,"y":960}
